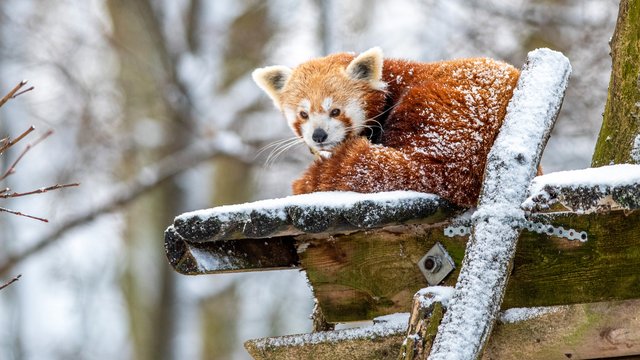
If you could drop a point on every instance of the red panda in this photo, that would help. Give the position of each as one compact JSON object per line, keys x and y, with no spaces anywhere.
{"x":388,"y":124}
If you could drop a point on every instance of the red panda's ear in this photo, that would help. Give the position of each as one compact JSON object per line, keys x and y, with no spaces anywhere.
{"x":368,"y":66}
{"x":272,"y":80}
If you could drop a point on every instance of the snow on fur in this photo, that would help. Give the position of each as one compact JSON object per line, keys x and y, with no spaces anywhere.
{"x":511,"y":165}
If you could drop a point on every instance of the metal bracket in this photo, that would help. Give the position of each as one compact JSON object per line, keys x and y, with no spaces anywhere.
{"x":540,"y":228}
{"x":436,"y":264}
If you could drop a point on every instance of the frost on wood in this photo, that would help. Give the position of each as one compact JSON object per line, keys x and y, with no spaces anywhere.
{"x":309,"y":213}
{"x":369,"y":342}
{"x":515,"y":315}
{"x":205,"y":241}
{"x":426,"y":314}
{"x":614,"y":187}
{"x":512,"y":164}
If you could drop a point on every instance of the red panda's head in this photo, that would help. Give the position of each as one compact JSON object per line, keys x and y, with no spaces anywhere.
{"x":329,"y":99}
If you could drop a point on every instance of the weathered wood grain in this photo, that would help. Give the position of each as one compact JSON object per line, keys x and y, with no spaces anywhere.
{"x":579,"y":331}
{"x":371,"y":273}
{"x":368,"y":274}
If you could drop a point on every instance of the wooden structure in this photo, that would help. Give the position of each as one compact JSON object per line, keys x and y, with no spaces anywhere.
{"x":366,"y":256}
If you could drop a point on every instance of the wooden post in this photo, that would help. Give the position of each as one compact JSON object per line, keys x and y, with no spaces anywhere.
{"x":427,"y":311}
{"x":512,"y":164}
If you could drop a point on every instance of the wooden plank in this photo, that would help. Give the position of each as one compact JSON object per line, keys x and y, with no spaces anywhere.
{"x":371,"y":273}
{"x":553,"y":271}
{"x":580,"y":331}
{"x":229,"y":256}
{"x":368,"y":274}
{"x":380,"y":341}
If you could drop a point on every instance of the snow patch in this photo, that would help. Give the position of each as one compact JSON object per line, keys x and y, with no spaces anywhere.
{"x":395,"y":324}
{"x":211,"y":262}
{"x":433,"y":294}
{"x":635,"y":150}
{"x":611,"y":175}
{"x":329,"y":199}
{"x":515,"y":315}
{"x":392,"y":318}
{"x":604,"y":177}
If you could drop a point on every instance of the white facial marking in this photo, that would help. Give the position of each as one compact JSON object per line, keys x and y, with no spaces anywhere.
{"x":355,"y":112}
{"x":305,"y":105}
{"x":291,"y":115}
{"x":326,"y":104}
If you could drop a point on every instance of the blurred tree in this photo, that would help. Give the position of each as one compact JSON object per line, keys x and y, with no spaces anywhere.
{"x":619,"y":139}
{"x":147,"y":75}
{"x":245,"y":49}
{"x":219,"y":324}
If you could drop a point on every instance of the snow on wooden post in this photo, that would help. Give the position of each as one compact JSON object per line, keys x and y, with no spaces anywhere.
{"x":511,"y":165}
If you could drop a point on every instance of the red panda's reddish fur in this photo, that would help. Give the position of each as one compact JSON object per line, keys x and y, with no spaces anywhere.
{"x":442,"y":119}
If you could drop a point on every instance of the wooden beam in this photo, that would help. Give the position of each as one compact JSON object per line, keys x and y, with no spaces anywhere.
{"x":579,"y":331}
{"x":367,"y":274}
{"x":380,"y":341}
{"x":229,"y":256}
{"x":426,"y":314}
{"x":512,"y":163}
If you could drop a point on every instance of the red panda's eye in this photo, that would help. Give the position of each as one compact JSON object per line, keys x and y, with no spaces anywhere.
{"x":304,"y":115}
{"x":334,"y":113}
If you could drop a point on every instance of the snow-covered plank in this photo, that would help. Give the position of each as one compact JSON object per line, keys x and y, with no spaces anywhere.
{"x":378,"y":341}
{"x":614,"y":187}
{"x":227,"y":238}
{"x":511,"y":165}
{"x":309,"y":213}
{"x":371,"y":273}
{"x":580,"y":331}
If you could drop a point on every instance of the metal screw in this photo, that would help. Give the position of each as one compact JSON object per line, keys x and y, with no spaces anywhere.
{"x":432,"y":263}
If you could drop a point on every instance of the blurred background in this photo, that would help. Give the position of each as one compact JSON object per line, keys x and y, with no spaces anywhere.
{"x":138,"y":91}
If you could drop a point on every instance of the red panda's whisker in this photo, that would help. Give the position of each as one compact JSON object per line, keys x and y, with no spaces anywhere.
{"x":277,"y":155}
{"x":281,"y":149}
{"x":277,"y":152}
{"x":279,"y":145}
{"x":276,"y":144}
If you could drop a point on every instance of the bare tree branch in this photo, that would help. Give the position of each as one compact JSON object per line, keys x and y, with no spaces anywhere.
{"x":14,"y":92}
{"x":22,"y":214}
{"x":146,"y":180}
{"x":12,"y":168}
{"x":4,"y":193}
{"x":10,"y":281}
{"x":7,"y":143}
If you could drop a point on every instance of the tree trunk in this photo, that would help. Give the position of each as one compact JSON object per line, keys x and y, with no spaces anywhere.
{"x":146,"y":69}
{"x":619,"y":139}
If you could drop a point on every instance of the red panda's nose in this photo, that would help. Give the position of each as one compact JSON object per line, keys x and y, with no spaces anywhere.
{"x":319,"y":135}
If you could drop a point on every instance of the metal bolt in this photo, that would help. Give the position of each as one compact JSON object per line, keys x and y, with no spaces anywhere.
{"x":432,"y":263}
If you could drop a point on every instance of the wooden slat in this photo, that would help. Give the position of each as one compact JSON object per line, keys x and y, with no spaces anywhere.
{"x":368,"y":274}
{"x":580,"y":331}
{"x":229,"y":256}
